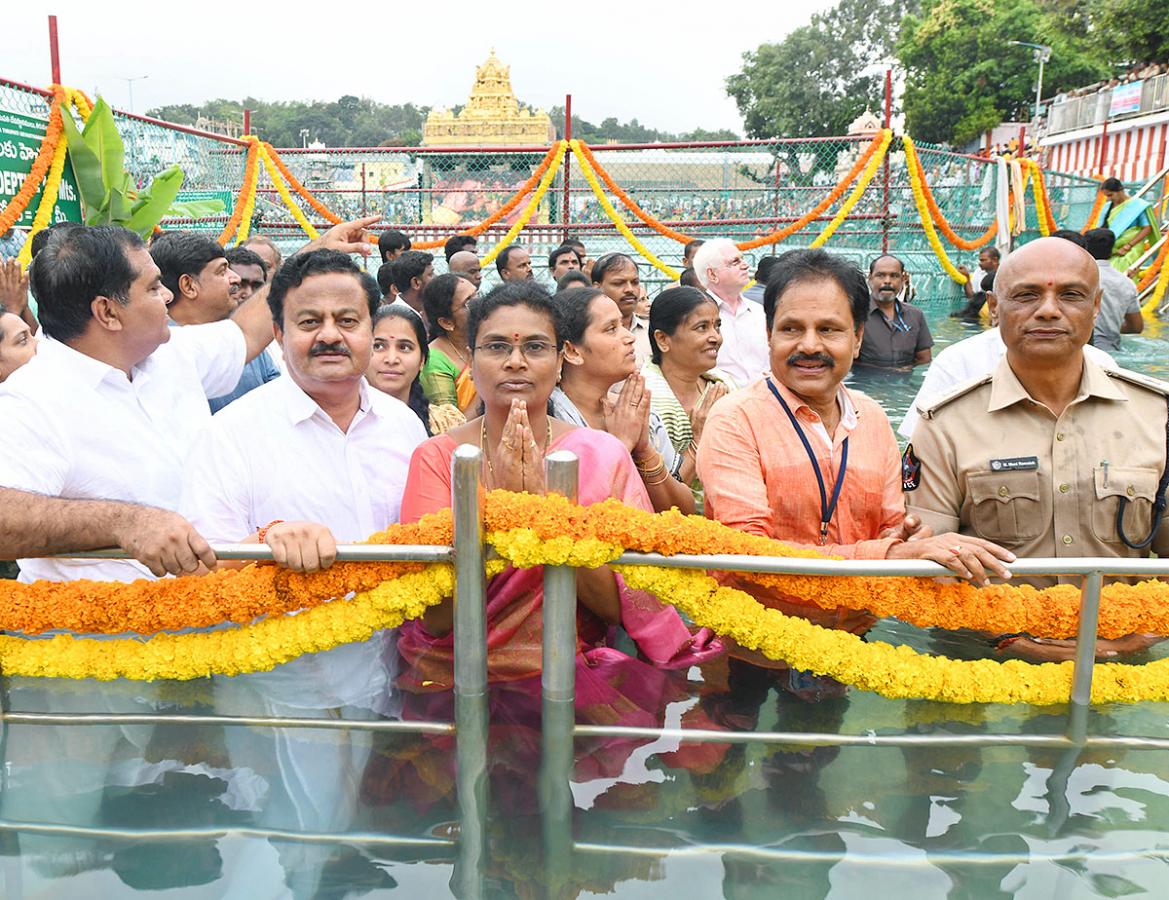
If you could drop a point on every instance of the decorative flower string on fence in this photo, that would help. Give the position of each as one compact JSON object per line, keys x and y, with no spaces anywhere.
{"x":282,"y":189}
{"x":913,"y":160}
{"x":1043,"y":213}
{"x":615,"y":217}
{"x":913,"y":165}
{"x":857,"y":192}
{"x":351,"y":601}
{"x":530,"y":209}
{"x":1097,"y":208}
{"x":15,"y":207}
{"x":247,"y":193}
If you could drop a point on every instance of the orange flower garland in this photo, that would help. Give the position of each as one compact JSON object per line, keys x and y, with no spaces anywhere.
{"x":474,"y":231}
{"x":911,"y":159}
{"x":233,"y":595}
{"x":15,"y":207}
{"x":1153,"y":270}
{"x":1097,"y":208}
{"x":247,"y":191}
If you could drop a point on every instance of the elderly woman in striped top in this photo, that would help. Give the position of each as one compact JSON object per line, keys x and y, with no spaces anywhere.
{"x":682,"y":379}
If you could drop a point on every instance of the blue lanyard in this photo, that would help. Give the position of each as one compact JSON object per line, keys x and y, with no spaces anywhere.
{"x":827,"y":508}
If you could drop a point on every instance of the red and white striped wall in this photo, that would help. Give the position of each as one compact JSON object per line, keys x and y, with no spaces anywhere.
{"x":1131,"y":150}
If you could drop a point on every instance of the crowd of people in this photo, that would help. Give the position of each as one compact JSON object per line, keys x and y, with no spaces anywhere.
{"x":166,"y":397}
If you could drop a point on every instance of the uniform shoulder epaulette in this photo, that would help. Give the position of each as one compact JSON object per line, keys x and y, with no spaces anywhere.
{"x":1145,"y":381}
{"x":961,"y":390}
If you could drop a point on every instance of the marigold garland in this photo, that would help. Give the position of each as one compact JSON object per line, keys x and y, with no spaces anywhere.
{"x":46,"y":154}
{"x":927,"y":224}
{"x":282,"y":189}
{"x":615,"y":217}
{"x":246,"y":198}
{"x":939,"y":218}
{"x":857,"y":192}
{"x":1097,"y":208}
{"x":530,"y":209}
{"x":48,"y":201}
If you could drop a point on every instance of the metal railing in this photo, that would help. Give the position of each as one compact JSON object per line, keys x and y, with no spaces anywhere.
{"x":558,"y":727}
{"x":1093,"y":109}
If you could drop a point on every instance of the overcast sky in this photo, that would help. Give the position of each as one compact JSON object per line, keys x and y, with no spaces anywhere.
{"x":665,"y":64}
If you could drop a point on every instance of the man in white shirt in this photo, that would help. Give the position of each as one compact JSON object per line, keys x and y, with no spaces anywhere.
{"x":723,"y":273}
{"x":314,"y":458}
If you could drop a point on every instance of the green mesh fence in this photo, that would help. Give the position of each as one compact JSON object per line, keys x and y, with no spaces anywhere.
{"x":739,"y":190}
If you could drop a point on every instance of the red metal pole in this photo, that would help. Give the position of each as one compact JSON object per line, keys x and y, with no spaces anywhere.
{"x":566,"y":172}
{"x":364,"y":210}
{"x":888,"y":124}
{"x":54,"y":52}
{"x":1102,"y":149}
{"x":247,"y":121}
{"x":1022,"y":140}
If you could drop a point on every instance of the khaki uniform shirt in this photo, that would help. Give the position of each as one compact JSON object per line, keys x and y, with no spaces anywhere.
{"x":997,"y":464}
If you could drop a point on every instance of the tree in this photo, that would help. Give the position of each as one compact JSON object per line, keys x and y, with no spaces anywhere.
{"x":964,"y":77}
{"x":821,"y":76}
{"x":1134,"y":30}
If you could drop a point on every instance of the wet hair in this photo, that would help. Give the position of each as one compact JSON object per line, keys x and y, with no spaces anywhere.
{"x":669,"y":310}
{"x":242,"y":256}
{"x":76,"y":266}
{"x":301,"y":266}
{"x":410,"y":265}
{"x":873,"y":264}
{"x":611,"y":262}
{"x":1070,"y":235}
{"x":573,"y":277}
{"x":817,"y":265}
{"x":437,"y":299}
{"x":459,"y":242}
{"x":992,"y":252}
{"x":505,"y":255}
{"x":1112,"y":184}
{"x":179,"y":253}
{"x":764,"y":268}
{"x":417,"y":401}
{"x":514,"y":293}
{"x":391,"y":242}
{"x":1100,"y":242}
{"x":573,"y":312}
{"x":266,"y":241}
{"x":560,"y":251}
{"x":689,"y":278}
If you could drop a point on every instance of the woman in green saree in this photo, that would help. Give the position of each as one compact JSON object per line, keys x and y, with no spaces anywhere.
{"x":1133,"y":222}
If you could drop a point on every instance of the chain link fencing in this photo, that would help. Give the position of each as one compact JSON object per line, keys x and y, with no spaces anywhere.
{"x":741,"y":190}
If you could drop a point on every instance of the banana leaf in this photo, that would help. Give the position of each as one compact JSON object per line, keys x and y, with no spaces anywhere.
{"x":154,"y":201}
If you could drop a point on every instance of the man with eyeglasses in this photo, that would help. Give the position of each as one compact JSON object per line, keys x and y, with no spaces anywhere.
{"x":724,"y":273}
{"x":896,"y":334}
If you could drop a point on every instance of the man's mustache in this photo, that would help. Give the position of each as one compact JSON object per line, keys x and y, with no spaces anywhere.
{"x":322,"y":349}
{"x":821,"y":358}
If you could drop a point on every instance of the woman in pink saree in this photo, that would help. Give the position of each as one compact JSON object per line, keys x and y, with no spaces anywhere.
{"x":516,"y":361}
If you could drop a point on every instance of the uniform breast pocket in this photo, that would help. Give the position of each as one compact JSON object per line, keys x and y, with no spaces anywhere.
{"x":1137,"y":486}
{"x":1005,"y":506}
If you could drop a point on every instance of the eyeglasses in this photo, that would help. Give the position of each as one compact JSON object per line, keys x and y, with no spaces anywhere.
{"x":501,"y":351}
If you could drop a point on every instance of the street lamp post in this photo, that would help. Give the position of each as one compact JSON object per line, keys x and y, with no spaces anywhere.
{"x":304,"y":137}
{"x":1042,"y":53}
{"x":130,"y":87}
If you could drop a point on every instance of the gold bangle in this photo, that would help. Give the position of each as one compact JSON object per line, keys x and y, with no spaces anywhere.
{"x":652,"y":468}
{"x":661,"y":480}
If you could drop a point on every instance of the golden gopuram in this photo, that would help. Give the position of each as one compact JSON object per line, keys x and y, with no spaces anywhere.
{"x":492,"y":115}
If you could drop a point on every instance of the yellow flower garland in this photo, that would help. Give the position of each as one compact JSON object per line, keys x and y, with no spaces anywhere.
{"x":245,"y":223}
{"x":615,"y":217}
{"x":530,"y":209}
{"x":285,"y":196}
{"x":857,"y":191}
{"x":913,"y":165}
{"x":258,"y":647}
{"x":48,"y":198}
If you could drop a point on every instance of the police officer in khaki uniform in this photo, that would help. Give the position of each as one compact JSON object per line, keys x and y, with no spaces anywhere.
{"x":1050,"y":455}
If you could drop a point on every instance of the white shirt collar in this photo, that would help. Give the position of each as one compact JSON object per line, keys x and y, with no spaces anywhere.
{"x":301,"y":407}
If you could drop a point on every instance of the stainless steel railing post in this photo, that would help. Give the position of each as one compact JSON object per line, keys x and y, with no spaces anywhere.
{"x":557,"y":689}
{"x":470,"y":673}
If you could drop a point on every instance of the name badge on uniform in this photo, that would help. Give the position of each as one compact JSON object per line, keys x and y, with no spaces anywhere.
{"x":1015,"y":464}
{"x":910,"y":470}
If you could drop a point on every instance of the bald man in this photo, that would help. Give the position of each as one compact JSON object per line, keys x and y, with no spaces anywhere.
{"x":465,"y":263}
{"x":1050,"y":455}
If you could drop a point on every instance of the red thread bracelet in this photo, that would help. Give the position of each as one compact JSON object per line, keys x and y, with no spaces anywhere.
{"x":263,"y":532}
